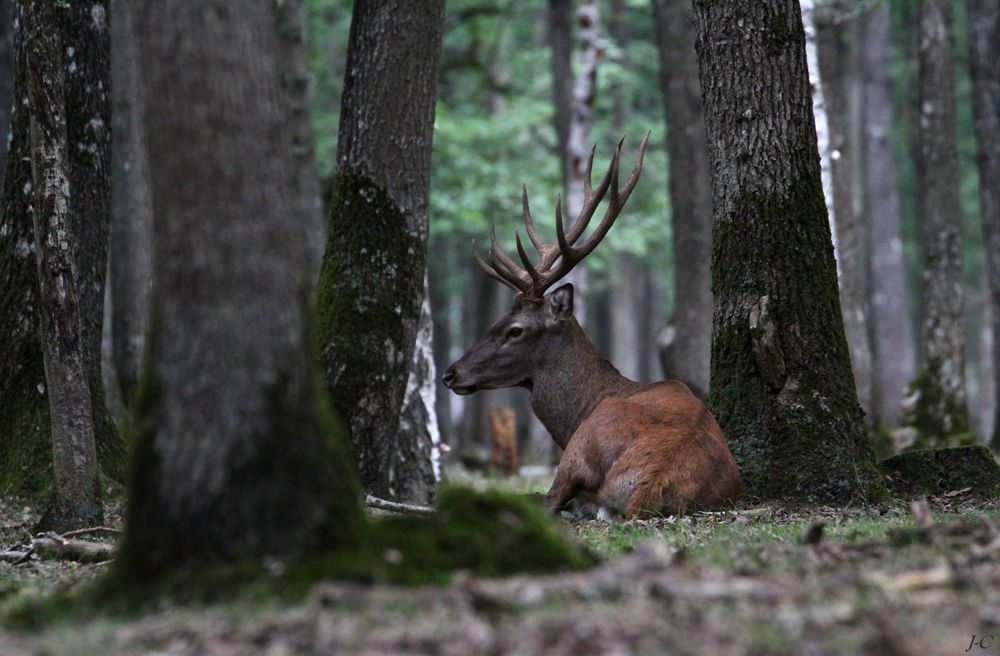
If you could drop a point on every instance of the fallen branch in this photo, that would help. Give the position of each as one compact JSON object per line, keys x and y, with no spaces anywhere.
{"x":52,"y":546}
{"x":395,"y":506}
{"x":92,"y":529}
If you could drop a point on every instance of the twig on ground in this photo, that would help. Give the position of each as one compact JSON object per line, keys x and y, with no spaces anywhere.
{"x":92,"y":529}
{"x":395,"y":506}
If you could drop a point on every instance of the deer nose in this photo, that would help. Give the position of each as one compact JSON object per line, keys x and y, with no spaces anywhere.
{"x":449,"y":377}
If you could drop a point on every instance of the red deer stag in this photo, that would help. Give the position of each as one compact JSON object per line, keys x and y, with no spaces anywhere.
{"x":636,"y":449}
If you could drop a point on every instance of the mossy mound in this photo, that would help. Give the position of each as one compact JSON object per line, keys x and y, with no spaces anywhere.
{"x":936,"y":471}
{"x":490,"y":534}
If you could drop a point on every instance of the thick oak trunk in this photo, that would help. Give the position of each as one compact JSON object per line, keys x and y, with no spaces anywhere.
{"x":782,"y":387}
{"x":371,"y":283}
{"x":690,"y":186}
{"x":235,"y":455}
{"x":833,"y":58}
{"x":984,"y":46}
{"x":937,"y":398}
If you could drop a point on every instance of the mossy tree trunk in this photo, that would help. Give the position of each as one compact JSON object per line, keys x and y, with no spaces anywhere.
{"x":893,"y":349}
{"x":131,"y":209}
{"x":6,"y":76}
{"x":235,"y":456}
{"x":833,"y":55}
{"x":689,"y":352}
{"x":371,"y":280}
{"x":76,"y":494}
{"x":937,"y":405}
{"x":782,"y":386}
{"x":25,"y":447}
{"x":984,"y":46}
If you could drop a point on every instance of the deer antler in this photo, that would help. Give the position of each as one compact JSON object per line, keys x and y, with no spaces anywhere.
{"x":556,"y":260}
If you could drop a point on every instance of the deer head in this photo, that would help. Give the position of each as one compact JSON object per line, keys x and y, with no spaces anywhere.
{"x":539,"y":327}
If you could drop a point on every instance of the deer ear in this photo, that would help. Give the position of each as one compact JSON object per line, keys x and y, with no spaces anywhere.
{"x":560,"y":305}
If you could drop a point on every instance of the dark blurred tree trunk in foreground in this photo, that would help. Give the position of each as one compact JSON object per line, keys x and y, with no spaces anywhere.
{"x":25,"y":445}
{"x":6,"y":77}
{"x":687,"y":355}
{"x":131,"y":208}
{"x":372,"y":280}
{"x":936,"y":406}
{"x":782,"y":387}
{"x":893,"y":348}
{"x":984,"y":48}
{"x":833,"y":58}
{"x":76,"y":494}
{"x":236,"y":456}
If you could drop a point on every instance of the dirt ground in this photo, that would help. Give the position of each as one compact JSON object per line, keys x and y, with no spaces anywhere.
{"x":886,"y":580}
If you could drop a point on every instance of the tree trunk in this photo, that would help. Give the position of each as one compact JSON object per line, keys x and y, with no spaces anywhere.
{"x":984,"y":46}
{"x":25,"y":447}
{"x":235,"y":456}
{"x":6,"y":77}
{"x":416,"y":460}
{"x":782,"y":387}
{"x":578,"y":145}
{"x":690,"y":196}
{"x":76,"y":495}
{"x":937,"y":405}
{"x":131,"y":209}
{"x":371,"y":284}
{"x":893,"y":349}
{"x":561,"y":41}
{"x":833,"y":58}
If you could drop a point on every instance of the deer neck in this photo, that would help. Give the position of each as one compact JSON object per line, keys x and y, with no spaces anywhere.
{"x":571,"y":383}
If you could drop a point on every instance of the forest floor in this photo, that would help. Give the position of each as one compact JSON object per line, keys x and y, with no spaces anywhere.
{"x":891,"y":579}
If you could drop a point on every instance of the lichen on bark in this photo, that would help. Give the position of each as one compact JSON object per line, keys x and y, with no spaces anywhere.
{"x":367,"y":306}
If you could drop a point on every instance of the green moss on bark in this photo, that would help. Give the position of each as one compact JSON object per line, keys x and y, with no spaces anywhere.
{"x":938,"y":417}
{"x":926,"y":472}
{"x":796,"y":430}
{"x":367,"y":306}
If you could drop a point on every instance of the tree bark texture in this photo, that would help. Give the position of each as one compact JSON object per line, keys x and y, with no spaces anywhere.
{"x":782,"y":387}
{"x":131,"y":208}
{"x":6,"y":76}
{"x":371,"y":283}
{"x":578,"y":145}
{"x":560,"y":20}
{"x":893,"y":349}
{"x":416,"y":460}
{"x":690,"y":188}
{"x":833,"y":58}
{"x":984,"y":47}
{"x":235,"y":455}
{"x":25,"y":447}
{"x":937,"y":405}
{"x":76,"y":494}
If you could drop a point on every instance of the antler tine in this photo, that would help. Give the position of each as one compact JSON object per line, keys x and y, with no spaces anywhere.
{"x":488,"y":270}
{"x":615,"y":205}
{"x":633,"y":177}
{"x":592,"y":198}
{"x":590,"y":169}
{"x":496,"y":253}
{"x":532,"y":271}
{"x":529,"y":223}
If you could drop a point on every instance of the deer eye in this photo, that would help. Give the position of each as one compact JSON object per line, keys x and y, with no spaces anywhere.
{"x":514,"y":332}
